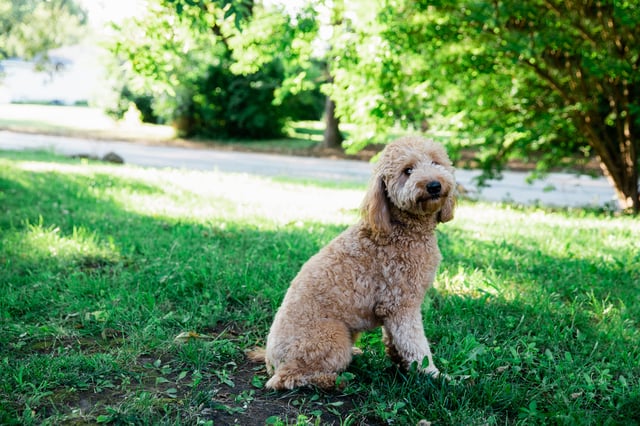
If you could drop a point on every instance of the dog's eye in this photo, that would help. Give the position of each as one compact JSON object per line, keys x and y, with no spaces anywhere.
{"x":435,"y":163}
{"x":408,"y":171}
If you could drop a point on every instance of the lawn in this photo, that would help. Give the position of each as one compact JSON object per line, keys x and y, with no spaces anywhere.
{"x":129,"y":296}
{"x":78,"y":121}
{"x":87,"y":122}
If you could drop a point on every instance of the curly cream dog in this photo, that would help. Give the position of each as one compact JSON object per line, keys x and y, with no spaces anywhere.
{"x":374,"y":274}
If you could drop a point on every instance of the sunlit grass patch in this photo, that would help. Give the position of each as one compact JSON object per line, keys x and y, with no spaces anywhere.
{"x":177,"y":193}
{"x":37,"y":242}
{"x":243,"y":196}
{"x":77,"y":121}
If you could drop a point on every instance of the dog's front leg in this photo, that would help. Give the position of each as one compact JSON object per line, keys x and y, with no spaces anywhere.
{"x":406,"y":342}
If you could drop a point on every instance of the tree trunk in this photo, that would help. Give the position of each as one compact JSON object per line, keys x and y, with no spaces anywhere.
{"x":618,"y":155}
{"x":622,"y":172}
{"x":332,"y":137}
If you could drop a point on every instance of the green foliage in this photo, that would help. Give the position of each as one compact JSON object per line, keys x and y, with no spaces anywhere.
{"x":208,"y":78}
{"x":241,"y":105}
{"x":26,"y":29}
{"x":129,"y":296}
{"x":122,"y":101}
{"x":273,"y":36}
{"x":548,"y":81}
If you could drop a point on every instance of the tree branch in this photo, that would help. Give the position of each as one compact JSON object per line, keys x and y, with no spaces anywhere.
{"x":546,"y":76}
{"x":575,"y":23}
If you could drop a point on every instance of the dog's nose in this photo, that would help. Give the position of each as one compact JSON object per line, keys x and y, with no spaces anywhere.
{"x":434,"y":187}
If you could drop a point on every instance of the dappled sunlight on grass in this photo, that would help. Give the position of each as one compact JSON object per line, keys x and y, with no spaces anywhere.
{"x":230,"y":195}
{"x":554,"y":234}
{"x":568,"y":266}
{"x":36,"y":242}
{"x":474,"y":283}
{"x":276,"y":202}
{"x":70,"y":168}
{"x":253,"y":197}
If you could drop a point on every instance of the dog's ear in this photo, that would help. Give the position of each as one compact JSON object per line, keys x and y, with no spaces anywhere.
{"x":375,"y":207}
{"x":446,"y":212}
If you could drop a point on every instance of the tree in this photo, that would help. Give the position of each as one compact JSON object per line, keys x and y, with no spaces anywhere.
{"x":332,"y":137}
{"x":206,"y":72}
{"x":276,"y":35}
{"x":198,"y":11}
{"x":307,"y":63}
{"x":540,"y":79}
{"x":586,"y":55}
{"x":30,"y":28}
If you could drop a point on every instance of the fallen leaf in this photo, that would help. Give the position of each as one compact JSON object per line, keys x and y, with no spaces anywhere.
{"x":185,"y":336}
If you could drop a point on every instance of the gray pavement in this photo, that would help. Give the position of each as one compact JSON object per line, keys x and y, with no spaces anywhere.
{"x":557,"y":189}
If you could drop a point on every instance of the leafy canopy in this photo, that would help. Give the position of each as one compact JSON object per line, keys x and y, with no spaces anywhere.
{"x":196,"y":65}
{"x":26,"y":28}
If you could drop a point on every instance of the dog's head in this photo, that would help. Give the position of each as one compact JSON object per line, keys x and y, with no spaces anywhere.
{"x":415,"y":176}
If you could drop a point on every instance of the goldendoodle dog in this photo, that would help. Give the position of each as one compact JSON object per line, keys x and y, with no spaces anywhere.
{"x":374,"y":274}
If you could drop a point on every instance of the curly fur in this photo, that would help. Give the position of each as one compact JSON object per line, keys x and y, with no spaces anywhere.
{"x":374,"y":274}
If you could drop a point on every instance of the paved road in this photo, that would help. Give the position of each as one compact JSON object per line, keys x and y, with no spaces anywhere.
{"x":557,"y":189}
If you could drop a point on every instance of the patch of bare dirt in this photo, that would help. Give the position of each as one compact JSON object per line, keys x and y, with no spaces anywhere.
{"x":248,"y":403}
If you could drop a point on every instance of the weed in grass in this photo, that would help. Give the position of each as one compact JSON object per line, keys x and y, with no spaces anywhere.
{"x":103,"y":268}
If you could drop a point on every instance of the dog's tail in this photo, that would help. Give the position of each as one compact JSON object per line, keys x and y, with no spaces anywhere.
{"x":257,"y":355}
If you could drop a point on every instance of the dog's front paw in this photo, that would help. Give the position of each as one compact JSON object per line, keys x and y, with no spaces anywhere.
{"x":434,"y":373}
{"x":431,"y":371}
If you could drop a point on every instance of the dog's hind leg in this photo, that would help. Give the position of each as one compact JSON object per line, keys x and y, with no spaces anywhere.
{"x":291,"y":376}
{"x":315,"y":358}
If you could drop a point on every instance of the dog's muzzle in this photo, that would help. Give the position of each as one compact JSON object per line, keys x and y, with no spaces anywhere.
{"x":434,"y":188}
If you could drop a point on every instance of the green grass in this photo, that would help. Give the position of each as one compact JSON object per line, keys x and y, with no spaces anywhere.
{"x":78,"y":121}
{"x":129,"y":295}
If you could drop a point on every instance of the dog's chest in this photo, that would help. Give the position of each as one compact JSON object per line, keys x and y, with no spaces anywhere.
{"x":408,"y":270}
